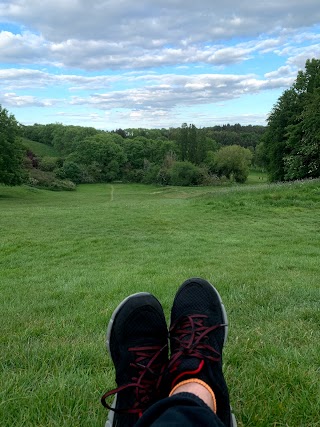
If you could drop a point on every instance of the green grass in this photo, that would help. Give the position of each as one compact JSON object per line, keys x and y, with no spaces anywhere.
{"x":67,"y":260}
{"x":257,"y":177}
{"x":39,"y":149}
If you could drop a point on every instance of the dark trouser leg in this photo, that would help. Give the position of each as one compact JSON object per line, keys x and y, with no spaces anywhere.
{"x":182,"y":409}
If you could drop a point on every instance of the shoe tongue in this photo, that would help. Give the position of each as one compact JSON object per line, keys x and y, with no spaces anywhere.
{"x":189,"y":368}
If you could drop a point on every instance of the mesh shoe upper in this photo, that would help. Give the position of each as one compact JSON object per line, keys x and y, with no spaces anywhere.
{"x":137,"y":342}
{"x":197,"y":334}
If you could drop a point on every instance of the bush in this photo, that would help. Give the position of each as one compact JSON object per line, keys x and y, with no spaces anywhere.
{"x":151,"y":175}
{"x":49,"y":164}
{"x":185,"y":174}
{"x":70,"y":170}
{"x":133,"y":175}
{"x":48,"y":181}
{"x":163,"y":176}
{"x":233,"y":161}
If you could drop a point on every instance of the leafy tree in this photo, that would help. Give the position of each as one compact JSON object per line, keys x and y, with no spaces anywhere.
{"x":285,"y":112}
{"x":193,"y":143}
{"x":292,"y":139}
{"x":71,"y":170}
{"x":233,"y":161}
{"x":101,"y":152}
{"x":259,"y":158}
{"x":11,"y":152}
{"x":304,"y":141}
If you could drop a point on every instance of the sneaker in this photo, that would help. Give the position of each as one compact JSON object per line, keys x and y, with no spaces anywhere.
{"x":198,"y":332}
{"x":137,"y":341}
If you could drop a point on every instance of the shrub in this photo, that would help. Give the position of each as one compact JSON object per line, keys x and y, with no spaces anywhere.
{"x":151,"y":175}
{"x":48,"y":181}
{"x":233,"y":161}
{"x":185,"y":174}
{"x":70,"y":170}
{"x":48,"y":164}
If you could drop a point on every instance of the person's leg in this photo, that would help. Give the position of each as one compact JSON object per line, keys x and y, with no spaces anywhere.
{"x":137,"y":340}
{"x":198,"y":331}
{"x":182,"y":409}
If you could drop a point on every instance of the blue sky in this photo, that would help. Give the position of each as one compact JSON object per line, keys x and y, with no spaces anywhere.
{"x":118,"y":63}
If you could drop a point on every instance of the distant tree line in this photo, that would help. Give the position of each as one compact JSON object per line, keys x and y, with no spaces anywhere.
{"x":176,"y":156}
{"x":289,"y":147}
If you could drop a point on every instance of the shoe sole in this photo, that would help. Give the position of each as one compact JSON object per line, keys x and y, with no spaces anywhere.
{"x":109,"y":422}
{"x":233,"y":421}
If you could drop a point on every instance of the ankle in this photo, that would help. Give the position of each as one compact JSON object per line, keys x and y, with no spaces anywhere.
{"x":198,"y":388}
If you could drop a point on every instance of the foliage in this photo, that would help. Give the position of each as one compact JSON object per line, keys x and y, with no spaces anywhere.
{"x":185,"y":173}
{"x":11,"y":151}
{"x":49,"y":164}
{"x":151,"y":174}
{"x":193,"y":144}
{"x":291,"y":143}
{"x":48,"y":180}
{"x":245,"y":136}
{"x":233,"y":161}
{"x":72,"y":171}
{"x":87,"y":155}
{"x":102,"y":153}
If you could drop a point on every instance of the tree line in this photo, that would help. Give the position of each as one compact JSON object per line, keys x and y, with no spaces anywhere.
{"x":177,"y":156}
{"x":288,"y":147}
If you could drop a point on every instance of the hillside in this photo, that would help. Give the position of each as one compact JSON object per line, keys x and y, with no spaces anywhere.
{"x":39,"y":149}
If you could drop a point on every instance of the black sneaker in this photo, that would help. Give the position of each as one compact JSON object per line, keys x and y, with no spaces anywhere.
{"x":198,"y":331}
{"x":137,"y":341}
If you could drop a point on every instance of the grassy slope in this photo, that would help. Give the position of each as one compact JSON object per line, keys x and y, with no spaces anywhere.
{"x":67,"y":259}
{"x":39,"y":149}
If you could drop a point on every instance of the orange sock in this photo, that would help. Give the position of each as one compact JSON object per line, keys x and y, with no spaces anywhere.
{"x":197,"y":381}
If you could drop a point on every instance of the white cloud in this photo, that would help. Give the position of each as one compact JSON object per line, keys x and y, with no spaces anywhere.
{"x":14,"y":100}
{"x":168,"y":91}
{"x":158,"y":22}
{"x":150,"y":59}
{"x":26,"y":47}
{"x":284,"y":71}
{"x":298,"y":56}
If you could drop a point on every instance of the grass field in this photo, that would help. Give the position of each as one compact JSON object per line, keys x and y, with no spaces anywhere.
{"x":68,"y":258}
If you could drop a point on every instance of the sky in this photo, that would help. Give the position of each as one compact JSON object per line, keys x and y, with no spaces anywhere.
{"x":115,"y":64}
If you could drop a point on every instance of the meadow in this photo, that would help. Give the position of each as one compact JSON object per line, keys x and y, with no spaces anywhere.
{"x":68,"y":258}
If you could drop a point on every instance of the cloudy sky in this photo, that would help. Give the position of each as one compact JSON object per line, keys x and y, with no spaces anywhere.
{"x":152,"y":63}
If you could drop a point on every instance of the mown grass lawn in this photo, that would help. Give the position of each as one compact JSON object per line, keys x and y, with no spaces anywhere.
{"x":68,"y":258}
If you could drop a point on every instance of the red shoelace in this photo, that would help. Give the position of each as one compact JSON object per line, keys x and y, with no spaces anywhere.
{"x":190,"y":335}
{"x":148,"y":370}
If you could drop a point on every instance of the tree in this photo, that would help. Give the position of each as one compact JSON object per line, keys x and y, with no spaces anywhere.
{"x":11,"y":152}
{"x":285,"y":113}
{"x":101,"y":153}
{"x":304,"y":141}
{"x":193,"y":143}
{"x":292,"y":139}
{"x":233,"y":161}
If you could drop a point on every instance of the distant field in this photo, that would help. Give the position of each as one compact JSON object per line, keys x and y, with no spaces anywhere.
{"x":39,"y":149}
{"x":257,"y":177}
{"x":68,"y":258}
